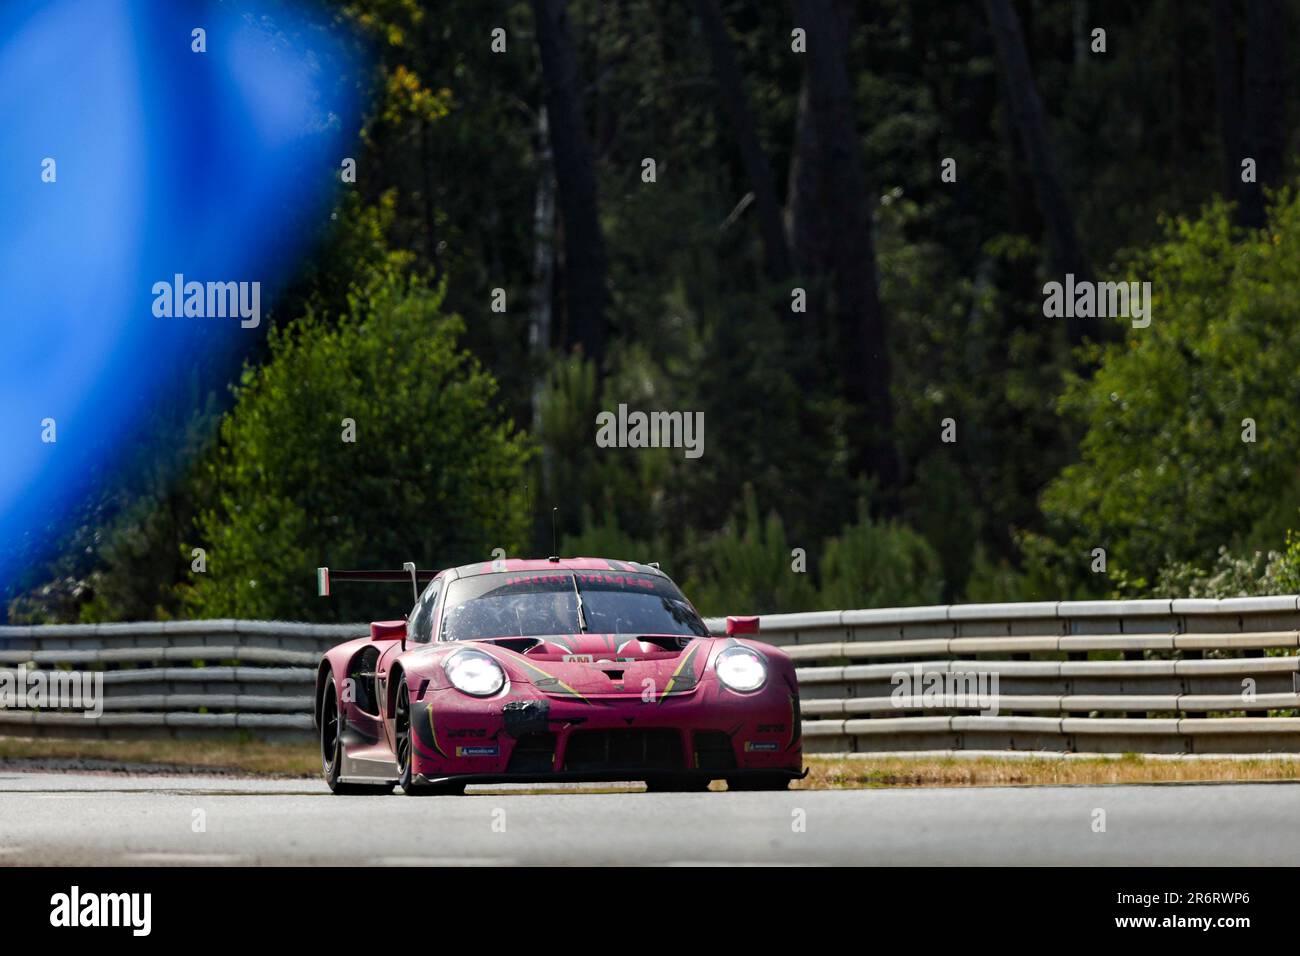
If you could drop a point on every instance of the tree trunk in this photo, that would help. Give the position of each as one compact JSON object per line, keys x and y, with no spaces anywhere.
{"x":1265,"y":105}
{"x":1027,"y":116}
{"x":1227,"y":96}
{"x":575,"y":174}
{"x":1082,"y":34}
{"x":805,"y":233}
{"x":806,"y":228}
{"x":539,"y":325}
{"x":838,"y":247}
{"x":776,"y":254}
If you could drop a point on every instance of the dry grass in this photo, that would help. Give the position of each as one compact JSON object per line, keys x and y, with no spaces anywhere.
{"x":231,"y":756}
{"x":841,"y":773}
{"x":825,"y":773}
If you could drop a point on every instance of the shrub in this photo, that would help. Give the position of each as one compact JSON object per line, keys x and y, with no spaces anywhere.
{"x":434,"y":474}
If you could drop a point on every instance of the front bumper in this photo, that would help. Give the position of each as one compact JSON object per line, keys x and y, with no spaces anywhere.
{"x":531,"y":737}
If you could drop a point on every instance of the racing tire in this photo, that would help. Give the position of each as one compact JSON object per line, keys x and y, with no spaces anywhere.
{"x":759,"y":782}
{"x":402,"y":736}
{"x":677,"y":784}
{"x":332,"y":724}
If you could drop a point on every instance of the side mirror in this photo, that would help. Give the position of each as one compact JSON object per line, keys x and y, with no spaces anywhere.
{"x":388,"y":631}
{"x":742,"y":625}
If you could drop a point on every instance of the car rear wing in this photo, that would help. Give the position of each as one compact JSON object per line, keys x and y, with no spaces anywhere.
{"x":409,"y":572}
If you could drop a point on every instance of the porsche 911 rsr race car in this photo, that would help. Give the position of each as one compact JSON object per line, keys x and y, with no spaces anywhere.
{"x":578,"y":669}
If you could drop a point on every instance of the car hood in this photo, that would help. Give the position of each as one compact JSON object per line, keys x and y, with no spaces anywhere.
{"x":607,"y":665}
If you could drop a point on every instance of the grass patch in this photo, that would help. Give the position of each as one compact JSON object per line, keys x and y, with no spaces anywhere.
{"x":256,"y":757}
{"x":231,"y":755}
{"x":840,"y":773}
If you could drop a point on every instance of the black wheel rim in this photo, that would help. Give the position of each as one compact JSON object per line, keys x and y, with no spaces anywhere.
{"x":329,"y":731}
{"x":403,"y":721}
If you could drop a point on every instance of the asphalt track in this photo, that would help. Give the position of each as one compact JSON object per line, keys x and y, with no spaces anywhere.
{"x":113,"y":819}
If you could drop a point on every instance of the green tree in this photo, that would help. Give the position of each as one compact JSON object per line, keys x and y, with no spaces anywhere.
{"x":878,"y":564}
{"x":1190,"y":425}
{"x":434,"y":474}
{"x":748,"y":568}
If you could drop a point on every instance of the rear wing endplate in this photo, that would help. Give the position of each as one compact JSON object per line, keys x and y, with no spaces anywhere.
{"x":409,"y":572}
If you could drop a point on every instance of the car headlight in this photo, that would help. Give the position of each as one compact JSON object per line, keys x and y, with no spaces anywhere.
{"x":474,"y":673}
{"x":741,"y":669}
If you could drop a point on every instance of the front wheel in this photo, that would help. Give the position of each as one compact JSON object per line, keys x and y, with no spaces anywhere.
{"x":332,"y":725}
{"x":402,"y":734}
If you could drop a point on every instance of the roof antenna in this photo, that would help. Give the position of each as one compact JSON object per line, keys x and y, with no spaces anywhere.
{"x":555,"y":550}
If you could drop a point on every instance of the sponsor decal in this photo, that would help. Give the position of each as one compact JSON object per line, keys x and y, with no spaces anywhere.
{"x":584,"y":577}
{"x":595,"y":577}
{"x":538,"y":579}
{"x":479,"y":750}
{"x":761,"y":746}
{"x":578,"y":658}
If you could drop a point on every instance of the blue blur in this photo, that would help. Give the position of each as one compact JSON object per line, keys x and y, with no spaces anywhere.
{"x":218,"y":165}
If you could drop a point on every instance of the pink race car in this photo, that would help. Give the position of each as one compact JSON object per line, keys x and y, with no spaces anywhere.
{"x":558,"y":669}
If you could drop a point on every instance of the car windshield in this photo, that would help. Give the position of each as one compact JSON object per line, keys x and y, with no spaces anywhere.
{"x":532,"y":604}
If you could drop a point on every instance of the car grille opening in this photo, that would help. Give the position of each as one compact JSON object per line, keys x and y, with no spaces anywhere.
{"x":533,"y":753}
{"x":713,"y":750}
{"x":624,"y":750}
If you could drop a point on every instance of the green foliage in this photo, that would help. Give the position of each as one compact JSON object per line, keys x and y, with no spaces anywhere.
{"x":605,"y":539}
{"x":1165,"y":475}
{"x":879,"y":564}
{"x":1231,"y":575}
{"x":747,"y":568}
{"x":750,"y":566}
{"x":996,"y":581}
{"x":1285,"y":568}
{"x":448,"y":113}
{"x":434,"y":475}
{"x":576,"y":475}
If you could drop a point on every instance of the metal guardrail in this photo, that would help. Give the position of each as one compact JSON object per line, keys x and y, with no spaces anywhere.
{"x":1166,"y":676}
{"x":178,"y":678}
{"x":1154,"y":676}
